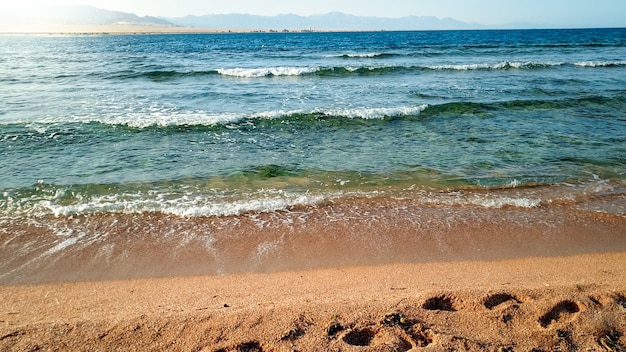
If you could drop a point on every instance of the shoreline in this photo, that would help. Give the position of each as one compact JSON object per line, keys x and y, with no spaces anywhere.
{"x":155,"y":30}
{"x":56,"y":29}
{"x":542,"y":303}
{"x":357,"y":275}
{"x":346,"y":233}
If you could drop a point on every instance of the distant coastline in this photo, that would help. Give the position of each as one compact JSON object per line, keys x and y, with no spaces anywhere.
{"x":78,"y":19}
{"x":91,"y":20}
{"x":131,"y":30}
{"x":155,"y":30}
{"x":108,"y":29}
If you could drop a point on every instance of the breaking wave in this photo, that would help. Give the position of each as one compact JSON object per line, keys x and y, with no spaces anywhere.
{"x":266,"y":72}
{"x":169,"y":117}
{"x":600,"y":64}
{"x":321,"y":71}
{"x":185,"y":200}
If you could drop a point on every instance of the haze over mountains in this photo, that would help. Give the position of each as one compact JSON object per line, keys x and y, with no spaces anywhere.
{"x":329,"y":21}
{"x":79,"y":15}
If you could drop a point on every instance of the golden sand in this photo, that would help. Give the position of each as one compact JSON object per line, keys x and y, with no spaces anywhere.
{"x":357,"y":275}
{"x":539,"y":304}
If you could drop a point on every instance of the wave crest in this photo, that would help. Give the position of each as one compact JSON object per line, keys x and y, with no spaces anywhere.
{"x":169,"y":117}
{"x":266,"y":71}
{"x":600,"y":64}
{"x":362,"y":55}
{"x":321,"y":71}
{"x":504,"y":65}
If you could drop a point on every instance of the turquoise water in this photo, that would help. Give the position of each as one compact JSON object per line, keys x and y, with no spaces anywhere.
{"x":220,"y":124}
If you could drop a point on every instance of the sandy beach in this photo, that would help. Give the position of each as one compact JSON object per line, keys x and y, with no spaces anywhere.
{"x":350,"y":276}
{"x":544,"y":279}
{"x":532,"y":304}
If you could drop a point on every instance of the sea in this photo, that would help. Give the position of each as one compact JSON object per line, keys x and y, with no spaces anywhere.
{"x":177,"y":136}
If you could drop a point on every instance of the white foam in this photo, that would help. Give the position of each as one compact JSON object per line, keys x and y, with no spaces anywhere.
{"x":374,"y":113}
{"x":298,"y":71}
{"x":360,"y":55}
{"x":276,"y":114}
{"x":143,"y":118}
{"x":500,"y":202}
{"x":263,"y":201}
{"x":69,"y":241}
{"x":266,"y":71}
{"x":185,"y":205}
{"x":269,"y":204}
{"x":494,"y":66}
{"x":169,"y":117}
{"x":59,"y":247}
{"x":513,"y":183}
{"x":600,"y":63}
{"x":482,"y":200}
{"x":164,"y":118}
{"x":266,"y":248}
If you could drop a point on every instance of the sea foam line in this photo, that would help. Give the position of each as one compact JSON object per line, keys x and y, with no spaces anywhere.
{"x":187,"y":205}
{"x":374,"y":113}
{"x":266,"y":201}
{"x":504,"y":65}
{"x":359,"y":55}
{"x":170,"y":117}
{"x":266,"y":71}
{"x":301,"y":71}
{"x":600,"y":63}
{"x":278,"y":71}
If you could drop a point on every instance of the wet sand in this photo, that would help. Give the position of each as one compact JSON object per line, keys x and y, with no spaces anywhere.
{"x":357,"y":275}
{"x":352,"y":232}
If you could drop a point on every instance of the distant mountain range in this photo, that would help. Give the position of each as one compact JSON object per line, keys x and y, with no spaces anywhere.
{"x":92,"y":16}
{"x":329,"y":21}
{"x":86,"y":16}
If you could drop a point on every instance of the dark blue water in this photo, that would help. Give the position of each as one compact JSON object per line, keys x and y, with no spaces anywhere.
{"x":218,"y":124}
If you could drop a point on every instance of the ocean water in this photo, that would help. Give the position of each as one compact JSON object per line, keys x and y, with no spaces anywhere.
{"x":219,"y":125}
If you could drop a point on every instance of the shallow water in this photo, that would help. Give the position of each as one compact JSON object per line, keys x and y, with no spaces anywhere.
{"x":355,"y":232}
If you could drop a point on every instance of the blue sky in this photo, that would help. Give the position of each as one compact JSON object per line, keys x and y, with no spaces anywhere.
{"x":566,"y":13}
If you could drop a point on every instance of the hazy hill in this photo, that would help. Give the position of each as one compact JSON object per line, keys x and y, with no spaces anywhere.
{"x":88,"y":15}
{"x":330,"y":21}
{"x":81,"y":15}
{"x":64,"y":17}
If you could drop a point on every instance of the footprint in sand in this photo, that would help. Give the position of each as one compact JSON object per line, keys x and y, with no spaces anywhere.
{"x":621,"y":300}
{"x":396,"y":332}
{"x":421,"y":335}
{"x":334,"y":329}
{"x":498,"y":299}
{"x":360,"y":337}
{"x":369,"y":337}
{"x":252,"y":346}
{"x":611,"y":341}
{"x":444,"y":303}
{"x":558,"y":313}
